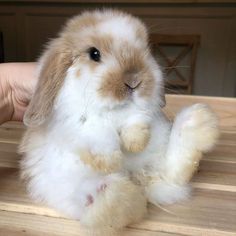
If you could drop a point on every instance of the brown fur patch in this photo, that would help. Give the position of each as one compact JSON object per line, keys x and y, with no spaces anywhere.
{"x":102,"y":163}
{"x":113,"y":85}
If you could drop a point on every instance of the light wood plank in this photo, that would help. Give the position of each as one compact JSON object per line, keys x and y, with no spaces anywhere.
{"x":9,"y":159}
{"x":223,"y":150}
{"x":18,"y":224}
{"x":13,"y":124}
{"x":8,"y":147}
{"x":215,"y":178}
{"x":13,"y":135}
{"x":207,"y":166}
{"x":211,"y":186}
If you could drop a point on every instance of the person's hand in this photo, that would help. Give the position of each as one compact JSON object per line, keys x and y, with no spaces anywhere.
{"x":17,"y":83}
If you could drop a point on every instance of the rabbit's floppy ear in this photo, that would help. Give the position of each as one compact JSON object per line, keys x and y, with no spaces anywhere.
{"x":54,"y":65}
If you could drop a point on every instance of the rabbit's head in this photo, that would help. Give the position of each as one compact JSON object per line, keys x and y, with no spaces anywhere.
{"x":106,"y":51}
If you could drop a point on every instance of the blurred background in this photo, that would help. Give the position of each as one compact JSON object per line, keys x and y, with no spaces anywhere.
{"x":193,"y":40}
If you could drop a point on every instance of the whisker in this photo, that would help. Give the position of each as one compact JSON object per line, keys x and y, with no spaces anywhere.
{"x":165,"y":210}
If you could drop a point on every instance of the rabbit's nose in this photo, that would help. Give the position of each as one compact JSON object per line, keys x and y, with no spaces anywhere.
{"x":133,"y":84}
{"x":132,"y":81}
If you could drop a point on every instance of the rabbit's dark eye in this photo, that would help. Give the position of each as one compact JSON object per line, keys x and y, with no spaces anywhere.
{"x":94,"y":54}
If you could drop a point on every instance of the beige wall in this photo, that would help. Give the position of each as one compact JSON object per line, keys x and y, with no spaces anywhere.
{"x":27,"y":27}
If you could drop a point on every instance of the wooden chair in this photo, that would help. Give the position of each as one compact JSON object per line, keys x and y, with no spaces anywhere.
{"x":189,"y":44}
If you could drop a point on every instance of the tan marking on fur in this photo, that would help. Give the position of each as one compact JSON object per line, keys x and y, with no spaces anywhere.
{"x":56,"y":62}
{"x":102,"y":163}
{"x":135,"y":138}
{"x":113,"y":85}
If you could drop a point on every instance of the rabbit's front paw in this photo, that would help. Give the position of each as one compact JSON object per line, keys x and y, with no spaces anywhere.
{"x":102,"y":162}
{"x":135,"y":138}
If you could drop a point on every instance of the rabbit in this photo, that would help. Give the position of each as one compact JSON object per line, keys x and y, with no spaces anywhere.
{"x":98,"y":146}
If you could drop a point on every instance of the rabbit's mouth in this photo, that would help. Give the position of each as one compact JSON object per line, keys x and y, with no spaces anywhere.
{"x":132,"y":89}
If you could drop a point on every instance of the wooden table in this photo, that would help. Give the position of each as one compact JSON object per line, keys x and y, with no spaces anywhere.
{"x":210,"y":211}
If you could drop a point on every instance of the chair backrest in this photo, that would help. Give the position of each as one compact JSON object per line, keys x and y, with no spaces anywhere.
{"x":189,"y":44}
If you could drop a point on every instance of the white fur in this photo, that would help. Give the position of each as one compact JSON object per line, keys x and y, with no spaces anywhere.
{"x":161,"y":192}
{"x":118,"y":28}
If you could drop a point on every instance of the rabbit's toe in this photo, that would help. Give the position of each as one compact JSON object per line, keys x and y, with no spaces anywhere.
{"x":97,"y":188}
{"x":89,"y":200}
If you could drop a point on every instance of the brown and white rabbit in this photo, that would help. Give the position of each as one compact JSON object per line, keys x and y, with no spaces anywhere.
{"x":97,"y":143}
